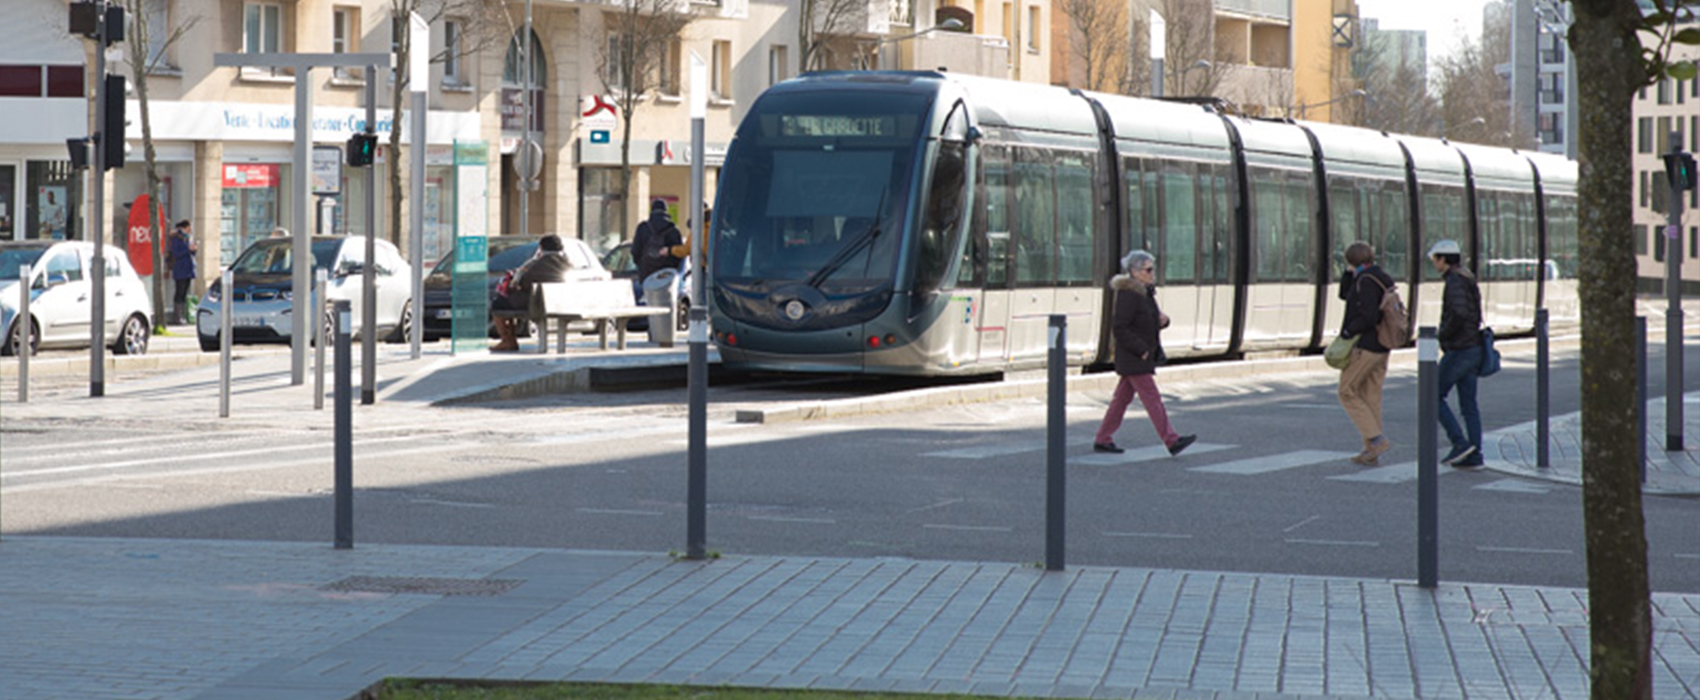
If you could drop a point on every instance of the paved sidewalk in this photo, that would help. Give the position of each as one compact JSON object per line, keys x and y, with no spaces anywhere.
{"x":109,"y":618}
{"x":1513,"y":450}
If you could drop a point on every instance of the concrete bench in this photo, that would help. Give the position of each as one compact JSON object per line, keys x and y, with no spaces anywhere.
{"x":602,"y":303}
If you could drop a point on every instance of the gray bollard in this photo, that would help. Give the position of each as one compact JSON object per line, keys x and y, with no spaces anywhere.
{"x":1428,"y":459}
{"x":1641,"y":396}
{"x":1543,"y":408}
{"x":344,"y":429}
{"x":696,"y":477}
{"x":21,"y":332}
{"x":318,"y":306}
{"x":225,"y":282}
{"x":1056,"y":426}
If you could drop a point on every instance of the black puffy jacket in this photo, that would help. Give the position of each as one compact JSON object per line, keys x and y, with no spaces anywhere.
{"x":1460,"y":312}
{"x":1363,"y":305}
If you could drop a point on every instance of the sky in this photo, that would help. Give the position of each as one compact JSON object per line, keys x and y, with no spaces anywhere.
{"x":1445,"y":20}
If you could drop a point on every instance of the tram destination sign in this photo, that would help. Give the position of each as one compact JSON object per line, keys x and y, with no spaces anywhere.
{"x":838,"y":125}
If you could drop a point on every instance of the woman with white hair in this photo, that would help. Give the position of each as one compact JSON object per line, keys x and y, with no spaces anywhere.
{"x":1136,"y":325}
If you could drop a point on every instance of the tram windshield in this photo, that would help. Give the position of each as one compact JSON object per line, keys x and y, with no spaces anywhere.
{"x":816,"y":189}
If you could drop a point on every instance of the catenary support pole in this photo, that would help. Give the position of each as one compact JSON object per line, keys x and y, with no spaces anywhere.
{"x":1428,"y":465}
{"x":696,"y":487}
{"x":1056,"y":447}
{"x":344,"y":449}
{"x":1543,"y":389}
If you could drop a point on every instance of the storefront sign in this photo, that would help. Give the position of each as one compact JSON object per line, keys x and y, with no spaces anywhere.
{"x":235,"y":121}
{"x":140,"y":239}
{"x":244,"y":175}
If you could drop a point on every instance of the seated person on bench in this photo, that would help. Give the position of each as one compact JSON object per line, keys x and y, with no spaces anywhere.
{"x":549,"y":264}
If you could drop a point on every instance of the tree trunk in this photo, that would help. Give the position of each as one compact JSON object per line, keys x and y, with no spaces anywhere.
{"x":155,"y":235}
{"x":1609,"y":70}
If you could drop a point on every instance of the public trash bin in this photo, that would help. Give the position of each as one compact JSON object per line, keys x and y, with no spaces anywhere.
{"x":658,"y":292}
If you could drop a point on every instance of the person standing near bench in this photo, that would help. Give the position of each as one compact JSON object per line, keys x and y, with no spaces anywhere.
{"x":548,"y":264}
{"x":654,"y":241}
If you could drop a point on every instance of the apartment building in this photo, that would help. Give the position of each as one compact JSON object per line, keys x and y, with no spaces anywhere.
{"x":1665,"y":114}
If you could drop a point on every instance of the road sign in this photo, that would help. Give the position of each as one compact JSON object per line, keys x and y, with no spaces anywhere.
{"x":599,"y":136}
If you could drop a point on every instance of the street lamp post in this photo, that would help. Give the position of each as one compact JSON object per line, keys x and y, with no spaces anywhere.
{"x":1360,"y":92}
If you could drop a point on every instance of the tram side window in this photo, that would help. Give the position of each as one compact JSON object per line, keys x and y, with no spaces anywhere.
{"x":1074,"y":219}
{"x":1218,"y":224}
{"x":1135,"y":203}
{"x":1487,"y":218}
{"x":1343,"y":206}
{"x":1443,"y":218}
{"x":1392,"y":226}
{"x":1180,"y":223}
{"x":1269,"y":223}
{"x":1035,"y":258}
{"x":995,"y":160}
{"x":1561,"y":235}
{"x":1301,"y":226}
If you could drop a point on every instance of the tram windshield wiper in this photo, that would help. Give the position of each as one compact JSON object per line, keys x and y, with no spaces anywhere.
{"x":861,"y":241}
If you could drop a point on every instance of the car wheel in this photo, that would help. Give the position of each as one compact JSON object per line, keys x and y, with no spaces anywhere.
{"x":683,"y":321}
{"x":402,"y":329}
{"x":133,"y":336}
{"x":10,"y":346}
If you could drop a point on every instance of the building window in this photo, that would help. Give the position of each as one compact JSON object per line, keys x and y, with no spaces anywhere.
{"x":902,"y":12}
{"x":1661,"y":137}
{"x":453,"y":39}
{"x":345,"y":38}
{"x":1641,"y":234}
{"x":1643,"y":188}
{"x":262,"y":32}
{"x":1033,"y":28}
{"x":1658,"y":244}
{"x":157,"y":19}
{"x":1693,"y":239}
{"x":668,"y":73}
{"x":720,"y":87}
{"x":1644,"y":135}
{"x":778,"y":64}
{"x":616,"y":54}
{"x":1664,"y":91}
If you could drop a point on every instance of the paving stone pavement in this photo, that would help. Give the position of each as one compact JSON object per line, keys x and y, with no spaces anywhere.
{"x":132,"y":618}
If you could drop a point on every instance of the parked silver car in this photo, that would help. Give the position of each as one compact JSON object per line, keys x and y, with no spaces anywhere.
{"x":262,"y":303}
{"x":61,"y":297}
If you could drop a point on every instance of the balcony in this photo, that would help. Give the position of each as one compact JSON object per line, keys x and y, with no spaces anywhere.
{"x":1269,"y":9}
{"x":957,"y":52}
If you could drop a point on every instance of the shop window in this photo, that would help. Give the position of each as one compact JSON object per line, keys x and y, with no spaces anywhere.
{"x":52,"y":189}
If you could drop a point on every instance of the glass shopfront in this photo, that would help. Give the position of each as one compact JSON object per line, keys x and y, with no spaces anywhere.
{"x":249,"y":206}
{"x":55,"y":195}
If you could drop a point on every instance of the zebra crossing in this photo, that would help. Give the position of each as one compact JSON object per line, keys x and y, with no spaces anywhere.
{"x":1390,"y":474}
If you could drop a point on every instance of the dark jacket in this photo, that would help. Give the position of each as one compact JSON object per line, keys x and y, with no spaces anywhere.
{"x":1363,"y":305}
{"x":182,"y":252}
{"x":1136,"y":325}
{"x":543,"y":267}
{"x":652,"y":244}
{"x":1460,"y":313}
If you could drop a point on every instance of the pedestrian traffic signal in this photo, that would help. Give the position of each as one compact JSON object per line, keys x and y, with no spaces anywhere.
{"x":1679,"y":170}
{"x":361,"y":149}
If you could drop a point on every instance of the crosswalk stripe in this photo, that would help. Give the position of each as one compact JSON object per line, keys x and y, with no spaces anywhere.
{"x":1513,"y":486}
{"x":985,"y":451}
{"x":1145,"y":454}
{"x":1271,"y":463}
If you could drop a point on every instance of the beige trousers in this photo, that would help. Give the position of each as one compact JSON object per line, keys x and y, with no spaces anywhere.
{"x":1360,"y":390}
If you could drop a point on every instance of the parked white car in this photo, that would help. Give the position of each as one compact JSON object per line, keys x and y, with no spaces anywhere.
{"x":61,"y":297}
{"x":263,"y":280}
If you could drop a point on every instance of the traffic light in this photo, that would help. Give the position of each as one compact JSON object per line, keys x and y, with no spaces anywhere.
{"x":361,"y":149}
{"x":1679,"y":170}
{"x":112,"y":125}
{"x":79,"y":151}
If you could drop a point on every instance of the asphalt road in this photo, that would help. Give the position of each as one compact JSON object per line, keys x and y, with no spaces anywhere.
{"x":1266,"y":489}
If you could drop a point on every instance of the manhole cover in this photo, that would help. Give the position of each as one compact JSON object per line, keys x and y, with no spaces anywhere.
{"x":423,"y":585}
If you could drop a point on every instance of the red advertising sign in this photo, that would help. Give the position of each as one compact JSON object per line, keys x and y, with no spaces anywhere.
{"x":250,"y":175}
{"x":140,"y":241}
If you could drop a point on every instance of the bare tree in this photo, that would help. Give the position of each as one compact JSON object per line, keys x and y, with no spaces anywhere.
{"x":641,"y":35}
{"x":484,"y":24}
{"x":1609,"y":40}
{"x":146,"y":48}
{"x":1397,"y":97}
{"x":820,"y":20}
{"x":1475,"y":107}
{"x":1099,"y":43}
{"x":1191,"y":65}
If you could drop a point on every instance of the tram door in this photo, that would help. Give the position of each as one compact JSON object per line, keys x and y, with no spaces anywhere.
{"x":992,"y":322}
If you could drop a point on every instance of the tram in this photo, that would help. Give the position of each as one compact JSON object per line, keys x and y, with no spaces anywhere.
{"x":926,"y":223}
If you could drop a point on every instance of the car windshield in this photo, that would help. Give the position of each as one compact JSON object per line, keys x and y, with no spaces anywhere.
{"x":273,"y":256}
{"x":504,"y":255}
{"x":14,"y":259}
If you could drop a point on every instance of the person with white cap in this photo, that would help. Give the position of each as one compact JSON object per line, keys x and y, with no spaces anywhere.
{"x":1461,"y":339}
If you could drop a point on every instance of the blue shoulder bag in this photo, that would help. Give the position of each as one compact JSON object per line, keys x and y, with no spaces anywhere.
{"x":1490,"y":355}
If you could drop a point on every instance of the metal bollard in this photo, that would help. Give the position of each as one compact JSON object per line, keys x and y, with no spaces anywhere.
{"x":1673,"y":362}
{"x":1056,"y":444}
{"x":344,"y":450}
{"x":318,"y":305}
{"x":1641,"y":396}
{"x":225,"y":283}
{"x":1543,"y":409}
{"x":1428,"y":464}
{"x":696,"y":477}
{"x":21,"y":332}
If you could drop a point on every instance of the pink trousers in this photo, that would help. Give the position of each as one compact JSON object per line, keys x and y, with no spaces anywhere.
{"x":1146,"y":386}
